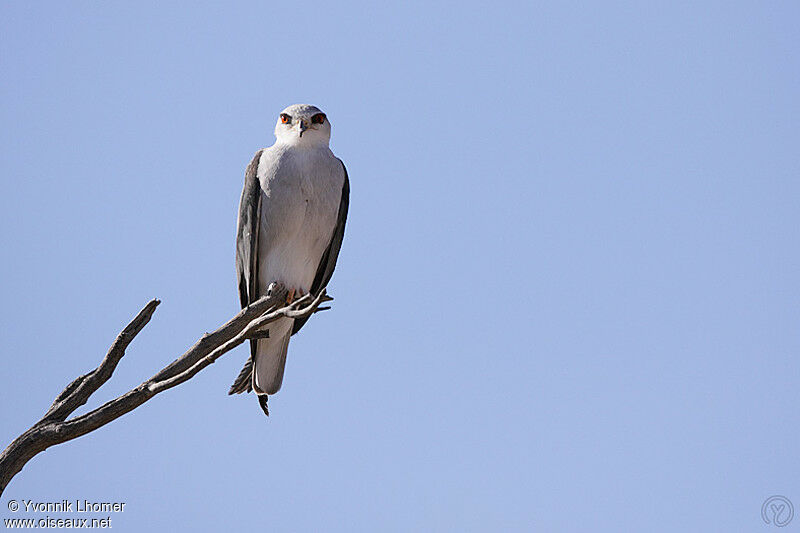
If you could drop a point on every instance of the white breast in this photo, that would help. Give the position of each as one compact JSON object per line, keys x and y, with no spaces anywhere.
{"x":301,"y":191}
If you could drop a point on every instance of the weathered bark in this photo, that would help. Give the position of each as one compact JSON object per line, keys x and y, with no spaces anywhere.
{"x":54,"y":427}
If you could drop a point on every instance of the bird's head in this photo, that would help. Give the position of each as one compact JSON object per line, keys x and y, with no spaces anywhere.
{"x":303,"y":125}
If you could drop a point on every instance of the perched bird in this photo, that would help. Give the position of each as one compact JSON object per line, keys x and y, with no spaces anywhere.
{"x":290,"y":229}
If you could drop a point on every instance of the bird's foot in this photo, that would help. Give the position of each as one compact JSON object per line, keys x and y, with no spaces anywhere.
{"x":295,"y":294}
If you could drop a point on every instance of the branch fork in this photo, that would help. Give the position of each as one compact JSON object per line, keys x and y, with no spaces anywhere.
{"x":55,"y":427}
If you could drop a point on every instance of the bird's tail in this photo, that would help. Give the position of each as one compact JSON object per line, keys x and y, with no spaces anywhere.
{"x":269,"y":360}
{"x":263,"y":371}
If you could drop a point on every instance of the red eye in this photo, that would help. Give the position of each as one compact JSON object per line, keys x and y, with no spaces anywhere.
{"x":285,"y":119}
{"x":319,"y":118}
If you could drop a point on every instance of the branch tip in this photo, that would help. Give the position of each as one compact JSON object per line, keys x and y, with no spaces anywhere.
{"x":54,"y":427}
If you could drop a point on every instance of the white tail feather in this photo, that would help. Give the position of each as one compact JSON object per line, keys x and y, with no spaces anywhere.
{"x":270,"y":360}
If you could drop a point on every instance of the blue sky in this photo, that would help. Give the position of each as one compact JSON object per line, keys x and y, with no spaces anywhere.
{"x":567,"y":298}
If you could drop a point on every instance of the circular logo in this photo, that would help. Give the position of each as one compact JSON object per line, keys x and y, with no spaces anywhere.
{"x":777,"y":510}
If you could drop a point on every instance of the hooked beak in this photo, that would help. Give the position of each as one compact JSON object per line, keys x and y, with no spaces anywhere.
{"x":302,"y":126}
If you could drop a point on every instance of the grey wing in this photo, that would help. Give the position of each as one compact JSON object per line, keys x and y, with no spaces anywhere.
{"x":328,"y":261}
{"x":247,"y":257}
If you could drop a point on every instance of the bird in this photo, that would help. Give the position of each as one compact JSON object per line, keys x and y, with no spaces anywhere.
{"x":290,"y":228}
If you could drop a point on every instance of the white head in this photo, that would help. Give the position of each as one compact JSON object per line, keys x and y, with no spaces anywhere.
{"x":303,"y":125}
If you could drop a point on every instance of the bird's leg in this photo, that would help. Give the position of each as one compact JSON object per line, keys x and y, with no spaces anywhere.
{"x":295,"y":294}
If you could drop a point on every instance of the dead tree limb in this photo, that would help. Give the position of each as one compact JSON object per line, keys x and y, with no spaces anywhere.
{"x":55,"y":427}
